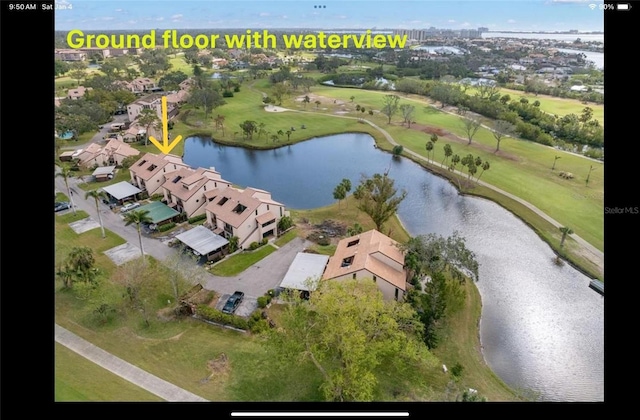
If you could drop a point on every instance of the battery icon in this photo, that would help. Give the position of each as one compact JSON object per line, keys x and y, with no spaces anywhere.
{"x":623,"y":6}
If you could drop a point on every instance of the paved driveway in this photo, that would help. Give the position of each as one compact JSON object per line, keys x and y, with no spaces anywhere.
{"x":259,"y":278}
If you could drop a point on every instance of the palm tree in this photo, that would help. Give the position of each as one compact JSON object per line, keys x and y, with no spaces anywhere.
{"x":565,"y":231}
{"x":138,"y":217}
{"x":66,"y":173}
{"x":306,"y":100}
{"x":97,"y":195}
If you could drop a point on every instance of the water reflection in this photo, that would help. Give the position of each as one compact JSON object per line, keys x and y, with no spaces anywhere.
{"x":542,"y":327}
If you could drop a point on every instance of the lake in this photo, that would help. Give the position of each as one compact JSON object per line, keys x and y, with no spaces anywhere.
{"x":542,"y":327}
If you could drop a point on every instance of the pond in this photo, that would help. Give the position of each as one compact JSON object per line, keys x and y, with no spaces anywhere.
{"x":542,"y":327}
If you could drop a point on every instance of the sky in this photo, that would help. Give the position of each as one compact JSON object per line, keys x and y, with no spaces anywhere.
{"x":496,"y":15}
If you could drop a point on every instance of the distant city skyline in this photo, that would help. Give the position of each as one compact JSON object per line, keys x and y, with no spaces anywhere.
{"x":495,"y":15}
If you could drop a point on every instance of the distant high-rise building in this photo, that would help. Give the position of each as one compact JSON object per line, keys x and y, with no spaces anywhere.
{"x":481,"y":30}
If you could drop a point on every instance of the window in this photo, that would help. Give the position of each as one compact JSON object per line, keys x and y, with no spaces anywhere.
{"x":142,"y":163}
{"x":176,"y":179}
{"x":354,"y":276}
{"x":256,"y":212}
{"x":352,"y":243}
{"x":396,"y":293}
{"x":267,"y":207}
{"x":222,"y":201}
{"x":205,"y":187}
{"x":152,"y":167}
{"x":239,"y":208}
{"x":347,"y":261}
{"x":375,"y":279}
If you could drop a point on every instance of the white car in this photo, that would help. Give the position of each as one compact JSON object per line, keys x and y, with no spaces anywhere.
{"x":129,"y":206}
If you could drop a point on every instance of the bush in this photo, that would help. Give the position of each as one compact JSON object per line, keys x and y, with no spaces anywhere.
{"x":227,"y":94}
{"x":284,"y":223}
{"x":457,"y":370}
{"x":254,"y":245}
{"x":157,"y":197}
{"x":195,"y":219}
{"x":236,"y":89}
{"x":263,"y":301}
{"x":214,"y":315}
{"x":164,"y":228}
{"x":264,"y":241}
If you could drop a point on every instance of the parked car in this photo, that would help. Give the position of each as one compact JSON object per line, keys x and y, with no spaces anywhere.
{"x":233,"y":302}
{"x":129,"y":206}
{"x":62,"y":205}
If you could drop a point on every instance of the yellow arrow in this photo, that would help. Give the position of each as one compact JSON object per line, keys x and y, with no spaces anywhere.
{"x":165,"y":147}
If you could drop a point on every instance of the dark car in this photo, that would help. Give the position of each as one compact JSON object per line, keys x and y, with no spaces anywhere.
{"x":62,"y":205}
{"x":233,"y":302}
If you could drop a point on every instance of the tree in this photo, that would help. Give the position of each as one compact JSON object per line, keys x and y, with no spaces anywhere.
{"x":455,"y":159}
{"x":565,"y":231}
{"x":66,"y":173}
{"x":288,"y":133}
{"x":390,"y":106}
{"x":407,"y":113}
{"x":77,"y":74}
{"x":339,"y":193}
{"x":471,"y":126}
{"x":429,"y":147}
{"x":207,"y":97}
{"x":352,"y":98}
{"x":318,"y":104}
{"x":501,"y":128}
{"x":220,"y":123}
{"x":138,"y":217}
{"x":377,"y":198}
{"x":469,"y":162}
{"x":79,"y":267}
{"x":183,"y":272}
{"x":341,"y":190}
{"x":348,"y":331}
{"x":397,"y":150}
{"x":306,"y":100}
{"x":356,"y":229}
{"x":148,"y":118}
{"x":248,"y":128}
{"x":448,"y":151}
{"x":554,"y":162}
{"x":428,"y":254}
{"x":485,"y":166}
{"x":97,"y":195}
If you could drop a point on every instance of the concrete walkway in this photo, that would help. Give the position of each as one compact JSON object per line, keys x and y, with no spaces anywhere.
{"x":131,"y":373}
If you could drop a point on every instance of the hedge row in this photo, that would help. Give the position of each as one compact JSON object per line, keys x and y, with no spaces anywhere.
{"x":195,"y":219}
{"x":164,"y":228}
{"x":220,"y":317}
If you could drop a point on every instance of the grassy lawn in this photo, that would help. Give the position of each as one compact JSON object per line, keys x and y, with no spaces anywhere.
{"x":66,"y":239}
{"x":236,"y":264}
{"x":78,"y":379}
{"x":121,"y":175}
{"x":286,"y":238}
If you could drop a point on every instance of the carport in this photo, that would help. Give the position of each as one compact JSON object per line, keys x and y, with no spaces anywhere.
{"x":204,"y":242}
{"x":122,"y":191}
{"x":304,"y":272}
{"x":159,"y":212}
{"x":104,"y":173}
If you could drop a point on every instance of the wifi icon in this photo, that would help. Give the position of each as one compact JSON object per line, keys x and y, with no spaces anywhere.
{"x":592,"y":6}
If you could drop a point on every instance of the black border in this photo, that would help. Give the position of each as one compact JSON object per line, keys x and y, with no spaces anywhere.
{"x":26,"y":110}
{"x":26,"y":127}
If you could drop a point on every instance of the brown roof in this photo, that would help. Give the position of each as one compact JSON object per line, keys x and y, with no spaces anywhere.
{"x":147,"y":170}
{"x":192,"y":179}
{"x":370,"y":244}
{"x":265,"y":217}
{"x":228,"y":211}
